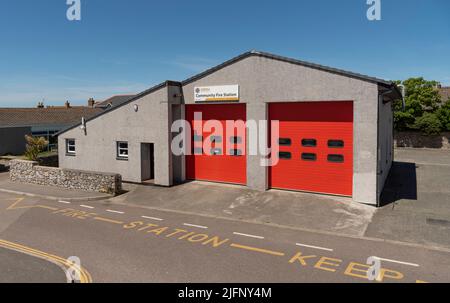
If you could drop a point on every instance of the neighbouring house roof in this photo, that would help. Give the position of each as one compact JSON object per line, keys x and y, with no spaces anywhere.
{"x":113,"y":101}
{"x":445,"y":93}
{"x":388,"y":85}
{"x":14,"y":117}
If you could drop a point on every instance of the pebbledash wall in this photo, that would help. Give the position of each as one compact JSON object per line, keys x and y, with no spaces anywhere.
{"x":262,"y":78}
{"x":30,"y":172}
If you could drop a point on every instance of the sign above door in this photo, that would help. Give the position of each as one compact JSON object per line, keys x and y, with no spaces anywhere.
{"x":216,"y":93}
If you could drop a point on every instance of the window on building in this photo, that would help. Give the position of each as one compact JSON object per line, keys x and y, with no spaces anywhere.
{"x":335,"y":143}
{"x":70,"y":147}
{"x":122,"y":150}
{"x":309,"y":157}
{"x":235,"y":152}
{"x":198,"y":150}
{"x":198,"y":138}
{"x":216,"y":139}
{"x":284,"y":142}
{"x":285,"y":155}
{"x":309,"y":142}
{"x":216,"y":151}
{"x":236,"y":140}
{"x":336,"y":158}
{"x":47,"y":135}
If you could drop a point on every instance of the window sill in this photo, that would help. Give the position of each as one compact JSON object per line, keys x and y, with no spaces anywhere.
{"x":70,"y":155}
{"x":121,"y":159}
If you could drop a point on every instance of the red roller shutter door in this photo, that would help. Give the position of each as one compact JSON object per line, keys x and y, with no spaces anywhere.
{"x":222,"y":167}
{"x":316,"y":147}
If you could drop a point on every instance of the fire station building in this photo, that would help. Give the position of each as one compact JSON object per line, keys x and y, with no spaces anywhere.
{"x":335,"y":129}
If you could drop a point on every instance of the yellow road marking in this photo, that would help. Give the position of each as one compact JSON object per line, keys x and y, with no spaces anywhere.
{"x":351,"y":270}
{"x":261,"y":250}
{"x":19,"y":200}
{"x":47,"y":207}
{"x":85,"y":276}
{"x":107,"y":220}
{"x":14,"y":205}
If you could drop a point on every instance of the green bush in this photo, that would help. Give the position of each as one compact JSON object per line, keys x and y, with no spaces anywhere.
{"x":403,"y":120}
{"x":35,"y":145}
{"x":428,"y":124}
{"x":444,"y":116}
{"x":422,"y":108}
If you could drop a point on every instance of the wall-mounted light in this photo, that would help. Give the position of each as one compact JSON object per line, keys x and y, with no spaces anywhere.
{"x":136,"y":107}
{"x":83,"y":124}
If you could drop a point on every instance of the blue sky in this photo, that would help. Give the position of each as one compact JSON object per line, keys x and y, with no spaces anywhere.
{"x":126,"y":46}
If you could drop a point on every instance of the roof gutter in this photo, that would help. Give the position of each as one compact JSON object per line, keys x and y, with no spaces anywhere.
{"x":394,"y":89}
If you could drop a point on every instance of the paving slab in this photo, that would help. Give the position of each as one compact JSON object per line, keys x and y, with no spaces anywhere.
{"x":292,"y":209}
{"x":416,"y":199}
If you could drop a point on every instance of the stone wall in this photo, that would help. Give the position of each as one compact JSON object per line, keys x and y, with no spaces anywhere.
{"x":31,"y":172}
{"x":419,"y":140}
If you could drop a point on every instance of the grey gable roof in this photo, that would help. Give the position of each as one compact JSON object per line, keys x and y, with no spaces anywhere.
{"x":384,"y":83}
{"x":289,"y":60}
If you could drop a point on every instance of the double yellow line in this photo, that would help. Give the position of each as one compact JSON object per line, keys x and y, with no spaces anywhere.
{"x":85,"y":277}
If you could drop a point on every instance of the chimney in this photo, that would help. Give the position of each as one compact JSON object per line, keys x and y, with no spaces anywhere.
{"x":67,"y":104}
{"x":91,"y":102}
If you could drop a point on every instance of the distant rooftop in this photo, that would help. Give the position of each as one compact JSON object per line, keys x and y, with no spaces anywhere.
{"x":113,"y":101}
{"x":39,"y":116}
{"x":445,"y":93}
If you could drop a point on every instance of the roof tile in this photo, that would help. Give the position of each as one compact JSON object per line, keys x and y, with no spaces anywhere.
{"x":44,"y":116}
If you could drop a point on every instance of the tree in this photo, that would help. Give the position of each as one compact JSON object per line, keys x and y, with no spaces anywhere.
{"x":444,"y":115}
{"x":429,"y":124}
{"x":403,"y":120}
{"x":422,"y":92}
{"x":35,"y":145}
{"x":421,"y":97}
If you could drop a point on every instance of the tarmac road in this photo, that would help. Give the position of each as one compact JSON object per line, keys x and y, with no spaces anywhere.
{"x":117,"y":243}
{"x":18,"y":267}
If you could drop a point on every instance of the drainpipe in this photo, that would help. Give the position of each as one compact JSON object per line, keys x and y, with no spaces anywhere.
{"x":403,"y":90}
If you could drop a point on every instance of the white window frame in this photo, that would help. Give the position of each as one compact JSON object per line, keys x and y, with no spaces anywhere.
{"x":119,"y":149}
{"x":69,"y":146}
